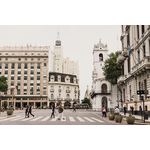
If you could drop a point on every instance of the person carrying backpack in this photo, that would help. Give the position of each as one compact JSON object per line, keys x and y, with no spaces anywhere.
{"x":60,"y":111}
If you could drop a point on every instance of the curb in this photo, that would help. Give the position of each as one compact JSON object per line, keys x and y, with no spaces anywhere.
{"x":137,"y":122}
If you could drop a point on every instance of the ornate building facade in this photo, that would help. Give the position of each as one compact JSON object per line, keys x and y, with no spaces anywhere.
{"x":135,"y":62}
{"x":102,"y":93}
{"x":63,"y":88}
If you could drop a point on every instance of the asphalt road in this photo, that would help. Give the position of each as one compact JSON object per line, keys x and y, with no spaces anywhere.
{"x":42,"y":117}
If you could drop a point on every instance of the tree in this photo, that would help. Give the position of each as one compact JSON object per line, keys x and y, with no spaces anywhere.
{"x":87,"y":101}
{"x":112,"y":70}
{"x":3,"y":85}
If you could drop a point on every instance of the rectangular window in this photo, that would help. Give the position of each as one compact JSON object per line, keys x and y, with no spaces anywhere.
{"x":0,"y":66}
{"x":32,"y":71}
{"x":6,"y":71}
{"x":6,"y":59}
{"x":38,"y":59}
{"x":137,"y":31}
{"x":32,"y":53}
{"x":44,"y":64}
{"x":38,"y":66}
{"x":143,"y":29}
{"x":144,"y":53}
{"x":19,"y":65}
{"x":138,"y":56}
{"x":12,"y":65}
{"x":128,"y":64}
{"x":32,"y":66}
{"x":25,"y":66}
{"x":44,"y":87}
{"x":12,"y":71}
{"x":25,"y":53}
{"x":25,"y":58}
{"x":31,"y":78}
{"x":25,"y":72}
{"x":6,"y":66}
{"x":12,"y":77}
{"x":13,"y":53}
{"x":19,"y":72}
{"x":25,"y":77}
{"x":19,"y":78}
{"x":32,"y":59}
{"x":6,"y":53}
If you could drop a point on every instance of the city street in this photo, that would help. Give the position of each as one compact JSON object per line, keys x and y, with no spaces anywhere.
{"x":42,"y":117}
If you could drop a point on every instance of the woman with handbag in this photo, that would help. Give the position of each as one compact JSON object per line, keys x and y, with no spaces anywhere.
{"x":60,"y":111}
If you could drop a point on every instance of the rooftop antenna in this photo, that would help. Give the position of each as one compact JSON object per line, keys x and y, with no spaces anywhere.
{"x":58,"y":36}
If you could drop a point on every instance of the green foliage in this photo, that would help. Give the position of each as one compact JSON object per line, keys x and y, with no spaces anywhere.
{"x":111,"y":68}
{"x":86,"y":100}
{"x":3,"y":84}
{"x":130,"y":115}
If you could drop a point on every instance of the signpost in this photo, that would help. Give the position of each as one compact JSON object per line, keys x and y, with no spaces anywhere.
{"x":142,"y":98}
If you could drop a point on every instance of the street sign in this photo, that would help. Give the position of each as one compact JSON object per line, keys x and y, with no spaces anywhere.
{"x":142,"y":92}
{"x":141,"y":97}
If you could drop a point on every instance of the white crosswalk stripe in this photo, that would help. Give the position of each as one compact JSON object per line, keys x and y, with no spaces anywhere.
{"x":17,"y":119}
{"x":54,"y":119}
{"x":9,"y":118}
{"x":36,"y":118}
{"x":88,"y":119}
{"x":48,"y":117}
{"x":97,"y":119}
{"x":63,"y":119}
{"x":27,"y":119}
{"x":80,"y":119}
{"x":71,"y":119}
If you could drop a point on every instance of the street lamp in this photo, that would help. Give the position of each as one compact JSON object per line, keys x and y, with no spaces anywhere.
{"x":12,"y":88}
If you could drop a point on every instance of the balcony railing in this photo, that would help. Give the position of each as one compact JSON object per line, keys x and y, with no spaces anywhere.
{"x":68,"y":91}
{"x":68,"y":99}
{"x":120,"y":58}
{"x":100,"y":92}
{"x":75,"y":91}
{"x":121,"y":79}
{"x":59,"y":90}
{"x":52,"y":90}
{"x":141,"y":66}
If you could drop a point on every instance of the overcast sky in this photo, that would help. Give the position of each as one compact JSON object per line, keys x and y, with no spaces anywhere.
{"x":77,"y":41}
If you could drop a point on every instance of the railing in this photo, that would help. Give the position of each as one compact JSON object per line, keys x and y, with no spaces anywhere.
{"x":52,"y":90}
{"x":68,"y":91}
{"x":143,"y":63}
{"x":121,"y":78}
{"x":59,"y":90}
{"x":68,"y":99}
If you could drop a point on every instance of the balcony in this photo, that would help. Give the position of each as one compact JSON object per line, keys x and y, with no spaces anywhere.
{"x":100,"y":92}
{"x":121,"y":79}
{"x":75,"y":91}
{"x":120,"y":58}
{"x":141,"y":66}
{"x":68,"y":91}
{"x":68,"y":99}
{"x":52,"y":90}
{"x":59,"y":90}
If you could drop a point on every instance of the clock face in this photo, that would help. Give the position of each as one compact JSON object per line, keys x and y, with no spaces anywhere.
{"x":100,"y":48}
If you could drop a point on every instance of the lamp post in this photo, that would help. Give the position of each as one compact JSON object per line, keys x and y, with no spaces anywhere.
{"x":12,"y":88}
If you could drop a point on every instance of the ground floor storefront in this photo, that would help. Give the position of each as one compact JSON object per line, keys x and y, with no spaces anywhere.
{"x":21,"y":102}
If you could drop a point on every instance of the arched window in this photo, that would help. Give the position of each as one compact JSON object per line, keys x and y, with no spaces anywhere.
{"x":67,"y":96}
{"x":100,"y":57}
{"x":104,"y":88}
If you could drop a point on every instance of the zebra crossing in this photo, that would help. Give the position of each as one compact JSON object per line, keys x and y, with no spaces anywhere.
{"x":47,"y":118}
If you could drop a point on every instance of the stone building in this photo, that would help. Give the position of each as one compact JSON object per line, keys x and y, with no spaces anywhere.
{"x":27,"y":68}
{"x":135,"y":62}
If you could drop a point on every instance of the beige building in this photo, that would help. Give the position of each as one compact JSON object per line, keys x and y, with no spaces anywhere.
{"x":27,"y":68}
{"x":135,"y":66}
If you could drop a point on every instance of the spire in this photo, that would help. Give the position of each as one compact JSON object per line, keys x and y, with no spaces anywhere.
{"x":58,"y":36}
{"x":58,"y":42}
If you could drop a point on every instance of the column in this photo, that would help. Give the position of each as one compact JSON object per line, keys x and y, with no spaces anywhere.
{"x":28,"y":79}
{"x":22,"y":80}
{"x":21,"y":103}
{"x":27,"y":101}
{"x":41,"y":103}
{"x":34,"y":104}
{"x":35,"y":79}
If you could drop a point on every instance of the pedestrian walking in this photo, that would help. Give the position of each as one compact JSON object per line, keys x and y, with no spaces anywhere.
{"x":104,"y":111}
{"x":124,"y":110}
{"x":26,"y":111}
{"x":60,"y":111}
{"x":53,"y":111}
{"x":74,"y":108}
{"x":132,"y":108}
{"x":29,"y":111}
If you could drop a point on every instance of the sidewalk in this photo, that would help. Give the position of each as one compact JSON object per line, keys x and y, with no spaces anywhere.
{"x":137,"y":117}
